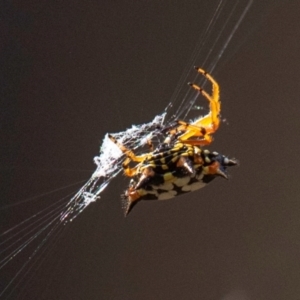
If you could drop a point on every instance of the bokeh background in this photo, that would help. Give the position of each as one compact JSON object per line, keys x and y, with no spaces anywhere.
{"x":72,"y":71}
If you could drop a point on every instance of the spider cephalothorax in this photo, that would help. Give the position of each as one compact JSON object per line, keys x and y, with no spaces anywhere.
{"x":179,"y":165}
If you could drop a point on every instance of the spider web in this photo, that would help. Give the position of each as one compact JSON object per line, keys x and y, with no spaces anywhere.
{"x":108,"y":163}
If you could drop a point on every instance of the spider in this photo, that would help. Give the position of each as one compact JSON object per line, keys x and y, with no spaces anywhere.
{"x":179,"y":165}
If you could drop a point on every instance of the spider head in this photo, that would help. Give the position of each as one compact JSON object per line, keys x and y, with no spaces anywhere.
{"x":216,"y":164}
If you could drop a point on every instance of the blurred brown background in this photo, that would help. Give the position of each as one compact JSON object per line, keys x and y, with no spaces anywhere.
{"x":73,"y":71}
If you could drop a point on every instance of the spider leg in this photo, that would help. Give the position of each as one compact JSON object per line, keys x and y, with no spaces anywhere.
{"x":130,"y":172}
{"x":211,"y":120}
{"x":192,"y":130}
{"x":208,"y":124}
{"x":128,"y":152}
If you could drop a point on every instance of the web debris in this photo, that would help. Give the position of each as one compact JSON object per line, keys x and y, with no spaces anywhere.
{"x":109,"y":164}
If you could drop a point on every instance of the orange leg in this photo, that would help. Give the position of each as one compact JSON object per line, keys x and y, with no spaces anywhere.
{"x":128,"y":152}
{"x":193,"y":130}
{"x":212,"y":119}
{"x":208,"y":124}
{"x":130,"y":172}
